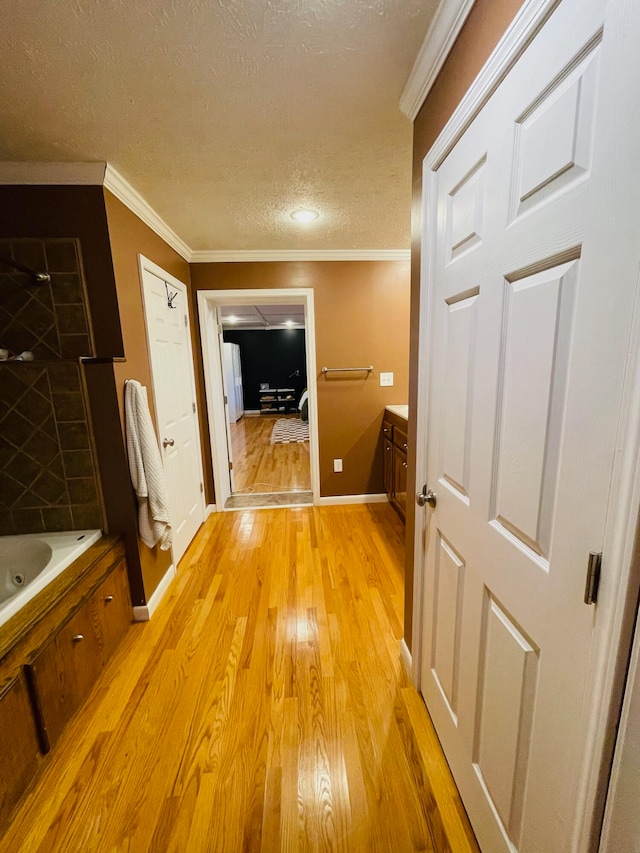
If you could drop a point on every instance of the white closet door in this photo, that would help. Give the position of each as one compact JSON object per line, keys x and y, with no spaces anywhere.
{"x":531,"y":299}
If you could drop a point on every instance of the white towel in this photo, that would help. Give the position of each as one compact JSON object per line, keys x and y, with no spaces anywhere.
{"x":145,"y":467}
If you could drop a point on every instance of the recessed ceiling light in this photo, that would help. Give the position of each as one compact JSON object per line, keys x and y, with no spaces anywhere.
{"x":304,"y":215}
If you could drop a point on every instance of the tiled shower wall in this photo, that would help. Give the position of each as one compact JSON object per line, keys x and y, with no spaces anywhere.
{"x":48,"y":475}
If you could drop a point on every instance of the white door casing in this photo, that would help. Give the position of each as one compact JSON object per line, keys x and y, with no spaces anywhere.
{"x":208,"y":304}
{"x":528,"y":304}
{"x":171,"y":357}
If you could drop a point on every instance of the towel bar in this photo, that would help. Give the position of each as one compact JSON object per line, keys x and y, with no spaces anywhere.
{"x":346,"y":369}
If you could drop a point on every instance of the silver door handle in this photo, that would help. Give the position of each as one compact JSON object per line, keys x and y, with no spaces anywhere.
{"x":426,"y":496}
{"x":168,"y":442}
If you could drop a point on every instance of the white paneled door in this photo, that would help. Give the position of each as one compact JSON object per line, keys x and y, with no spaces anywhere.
{"x":166,"y":311}
{"x":530,"y":280}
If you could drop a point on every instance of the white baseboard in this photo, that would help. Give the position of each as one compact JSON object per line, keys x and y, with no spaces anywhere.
{"x":341,"y":500}
{"x":405,"y":657}
{"x":144,"y":612}
{"x":209,"y":509}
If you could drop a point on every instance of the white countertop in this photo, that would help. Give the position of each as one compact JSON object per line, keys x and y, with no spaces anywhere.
{"x":401,"y":411}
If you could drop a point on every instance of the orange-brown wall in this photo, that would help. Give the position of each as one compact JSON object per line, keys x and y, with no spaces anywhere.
{"x":362,"y":318}
{"x":129,"y":237}
{"x":482,"y":31}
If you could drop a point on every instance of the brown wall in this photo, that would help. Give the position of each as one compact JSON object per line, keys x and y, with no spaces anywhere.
{"x":482,"y":31}
{"x":362,"y":318}
{"x":129,"y":237}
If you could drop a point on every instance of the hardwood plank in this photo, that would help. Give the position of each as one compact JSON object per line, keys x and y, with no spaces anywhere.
{"x":264,"y":708}
{"x":262,"y":467}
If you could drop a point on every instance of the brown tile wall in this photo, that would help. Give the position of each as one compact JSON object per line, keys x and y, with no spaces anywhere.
{"x":47,"y":467}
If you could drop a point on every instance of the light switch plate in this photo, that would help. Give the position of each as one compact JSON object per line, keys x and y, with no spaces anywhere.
{"x":386,"y":379}
{"x":337,"y":466}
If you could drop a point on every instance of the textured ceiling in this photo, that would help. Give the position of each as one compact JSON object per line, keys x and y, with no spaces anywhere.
{"x":225,"y":114}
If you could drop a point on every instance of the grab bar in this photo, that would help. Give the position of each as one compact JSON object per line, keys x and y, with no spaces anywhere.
{"x":346,"y":369}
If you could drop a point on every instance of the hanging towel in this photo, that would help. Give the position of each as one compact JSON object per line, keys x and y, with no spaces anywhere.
{"x":145,"y":468}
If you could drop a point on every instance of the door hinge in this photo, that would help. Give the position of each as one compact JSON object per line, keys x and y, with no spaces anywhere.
{"x":186,"y":322}
{"x":225,"y":400}
{"x":231,"y":466}
{"x":194,"y":408}
{"x":594,"y":565}
{"x":201,"y":487}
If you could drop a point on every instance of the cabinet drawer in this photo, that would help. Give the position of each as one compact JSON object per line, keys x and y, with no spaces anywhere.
{"x":387,"y":430}
{"x":64,"y":672}
{"x":18,"y":746}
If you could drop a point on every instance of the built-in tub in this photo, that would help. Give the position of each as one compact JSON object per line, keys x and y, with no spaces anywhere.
{"x":28,"y":563}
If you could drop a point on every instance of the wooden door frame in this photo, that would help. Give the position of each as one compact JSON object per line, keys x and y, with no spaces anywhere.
{"x":213,"y":375}
{"x":613,"y":628}
{"x":147,"y":265}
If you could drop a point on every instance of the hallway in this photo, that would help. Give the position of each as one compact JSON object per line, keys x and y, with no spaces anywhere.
{"x":264,"y":707}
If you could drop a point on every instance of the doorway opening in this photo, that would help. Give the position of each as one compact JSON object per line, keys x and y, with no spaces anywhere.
{"x":259,"y":359}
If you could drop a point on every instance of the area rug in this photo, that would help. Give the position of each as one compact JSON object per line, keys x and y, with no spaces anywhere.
{"x":289,"y":431}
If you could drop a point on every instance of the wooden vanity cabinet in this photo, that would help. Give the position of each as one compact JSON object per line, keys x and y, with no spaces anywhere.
{"x":19,"y":748}
{"x":394,"y":431}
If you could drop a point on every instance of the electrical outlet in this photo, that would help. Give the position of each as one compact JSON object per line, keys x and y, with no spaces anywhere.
{"x":386,"y":379}
{"x":337,"y":466}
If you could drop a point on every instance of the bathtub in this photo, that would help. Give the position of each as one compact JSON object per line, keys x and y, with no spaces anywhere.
{"x":28,"y":563}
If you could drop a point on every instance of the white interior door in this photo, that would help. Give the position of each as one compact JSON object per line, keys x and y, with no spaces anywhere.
{"x":174,"y":394}
{"x":228,"y":389}
{"x":531,"y":273}
{"x":229,"y":381}
{"x":237,"y":378}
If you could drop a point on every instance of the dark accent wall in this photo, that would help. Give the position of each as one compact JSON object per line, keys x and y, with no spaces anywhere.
{"x":269,"y":355}
{"x":47,"y":468}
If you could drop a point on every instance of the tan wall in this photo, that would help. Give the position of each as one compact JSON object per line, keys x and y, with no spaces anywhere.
{"x":484,"y":27}
{"x":129,"y":237}
{"x":362,"y":317}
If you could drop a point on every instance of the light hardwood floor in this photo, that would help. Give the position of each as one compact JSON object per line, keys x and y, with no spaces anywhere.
{"x":264,"y":707}
{"x":259,"y":466}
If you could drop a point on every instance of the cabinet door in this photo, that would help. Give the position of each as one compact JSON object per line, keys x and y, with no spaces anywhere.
{"x":18,"y":746}
{"x":388,"y":468}
{"x":64,"y":672}
{"x":400,"y":480}
{"x":112,"y":607}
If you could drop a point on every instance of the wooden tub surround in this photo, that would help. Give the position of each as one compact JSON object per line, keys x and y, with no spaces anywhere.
{"x":263,"y":708}
{"x":51,"y":653}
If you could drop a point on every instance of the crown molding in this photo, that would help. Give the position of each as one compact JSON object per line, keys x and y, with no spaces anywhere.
{"x":131,"y":198}
{"x":223,"y":256}
{"x":441,"y":35}
{"x":57,"y":174}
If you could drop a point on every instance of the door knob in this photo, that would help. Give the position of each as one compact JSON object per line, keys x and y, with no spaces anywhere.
{"x":168,"y":442}
{"x":426,"y":496}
